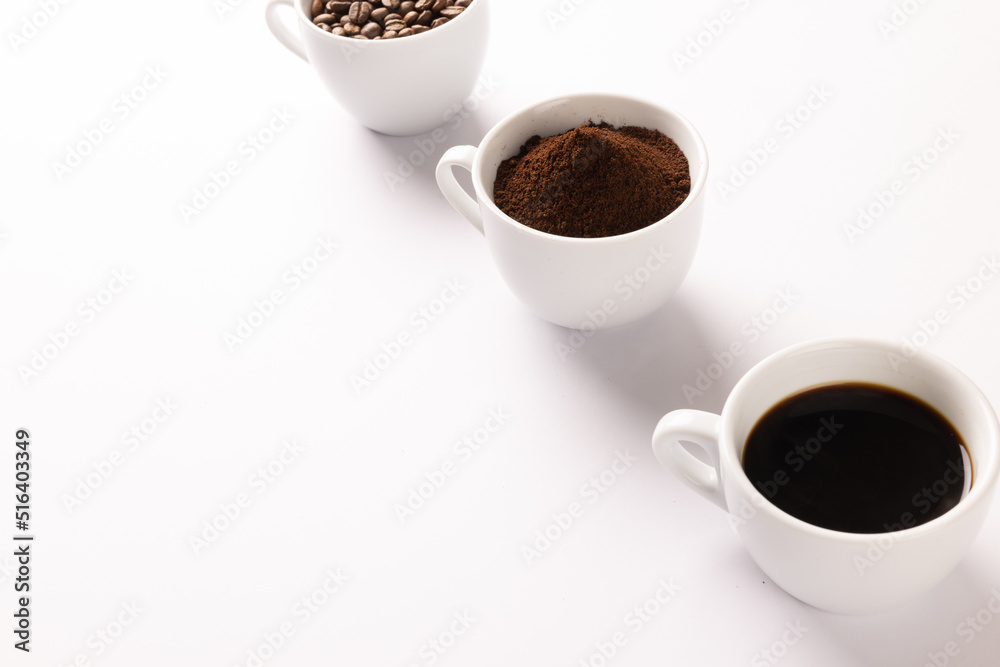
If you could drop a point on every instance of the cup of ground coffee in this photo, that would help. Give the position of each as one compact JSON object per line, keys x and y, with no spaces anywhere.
{"x":857,"y":479}
{"x":575,"y":270}
{"x":399,"y":85}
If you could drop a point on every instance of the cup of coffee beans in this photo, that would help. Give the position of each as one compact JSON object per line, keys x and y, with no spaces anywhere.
{"x":591,"y":205}
{"x":398,"y":66}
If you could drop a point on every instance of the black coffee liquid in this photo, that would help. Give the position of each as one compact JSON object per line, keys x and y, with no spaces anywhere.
{"x":858,"y":458}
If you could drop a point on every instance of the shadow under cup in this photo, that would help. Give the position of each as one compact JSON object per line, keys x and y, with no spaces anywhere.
{"x":854,"y":572}
{"x":577,"y":282}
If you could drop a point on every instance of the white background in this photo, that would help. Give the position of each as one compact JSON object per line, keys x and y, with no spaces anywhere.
{"x":322,"y":176}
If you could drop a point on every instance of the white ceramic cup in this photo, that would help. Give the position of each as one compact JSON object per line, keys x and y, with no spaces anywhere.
{"x":841,"y":572}
{"x":401,"y":86}
{"x":582,"y":283}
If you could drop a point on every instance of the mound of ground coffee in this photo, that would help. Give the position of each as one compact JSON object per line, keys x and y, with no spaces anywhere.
{"x":593,"y":181}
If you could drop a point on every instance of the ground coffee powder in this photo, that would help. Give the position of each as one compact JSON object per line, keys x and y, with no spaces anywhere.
{"x":593,"y":181}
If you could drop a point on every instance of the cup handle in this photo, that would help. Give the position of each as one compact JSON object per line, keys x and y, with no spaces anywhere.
{"x":701,"y":428}
{"x":460,"y":156}
{"x":291,"y":41}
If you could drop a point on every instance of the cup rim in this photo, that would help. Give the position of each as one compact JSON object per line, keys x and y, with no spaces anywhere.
{"x":305,"y":5}
{"x":697,"y":185}
{"x":985,"y":475}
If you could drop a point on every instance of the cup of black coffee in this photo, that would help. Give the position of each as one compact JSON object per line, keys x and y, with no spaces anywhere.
{"x":855,"y":477}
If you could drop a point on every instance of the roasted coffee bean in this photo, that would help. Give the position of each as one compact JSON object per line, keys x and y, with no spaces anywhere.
{"x":359,"y":13}
{"x":384,"y":19}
